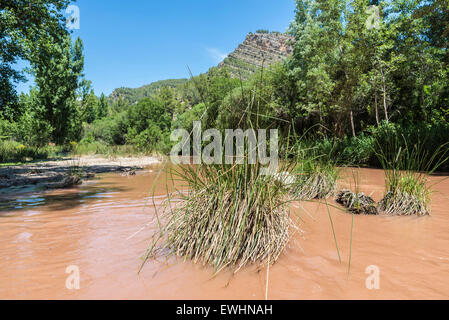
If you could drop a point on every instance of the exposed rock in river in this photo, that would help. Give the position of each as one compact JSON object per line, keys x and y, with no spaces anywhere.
{"x":358,"y":203}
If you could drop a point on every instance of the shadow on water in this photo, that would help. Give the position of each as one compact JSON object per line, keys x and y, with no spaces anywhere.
{"x":440,"y":174}
{"x":61,"y":200}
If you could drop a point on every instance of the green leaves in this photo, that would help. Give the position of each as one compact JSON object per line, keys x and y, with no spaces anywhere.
{"x":24,"y":24}
{"x":360,"y":75}
{"x":58,"y":72}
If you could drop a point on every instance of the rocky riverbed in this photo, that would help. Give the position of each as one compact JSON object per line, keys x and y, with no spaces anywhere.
{"x":67,"y":172}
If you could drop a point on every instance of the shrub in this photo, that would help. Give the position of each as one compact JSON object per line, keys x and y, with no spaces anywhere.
{"x":151,"y":139}
{"x":185,"y":120}
{"x":8,"y":130}
{"x":100,"y":148}
{"x":363,"y":149}
{"x":111,"y":130}
{"x":14,"y":151}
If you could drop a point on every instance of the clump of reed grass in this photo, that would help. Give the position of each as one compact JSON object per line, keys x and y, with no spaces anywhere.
{"x":407,"y":170}
{"x":357,"y":203}
{"x":403,"y":203}
{"x":316,"y":185}
{"x":316,"y":176}
{"x":231,"y":215}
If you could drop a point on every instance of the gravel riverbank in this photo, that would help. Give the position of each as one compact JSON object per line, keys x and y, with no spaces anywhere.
{"x":67,"y":172}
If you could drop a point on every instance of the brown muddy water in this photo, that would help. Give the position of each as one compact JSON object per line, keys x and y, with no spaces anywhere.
{"x":96,"y":228}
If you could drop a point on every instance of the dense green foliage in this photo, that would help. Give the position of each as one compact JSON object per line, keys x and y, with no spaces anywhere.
{"x":36,"y":32}
{"x":24,"y":25}
{"x":351,"y":76}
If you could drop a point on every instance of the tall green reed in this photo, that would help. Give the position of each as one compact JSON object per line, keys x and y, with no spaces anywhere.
{"x":407,"y":169}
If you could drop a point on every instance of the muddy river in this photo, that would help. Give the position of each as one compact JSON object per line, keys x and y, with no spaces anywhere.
{"x":101,"y":228}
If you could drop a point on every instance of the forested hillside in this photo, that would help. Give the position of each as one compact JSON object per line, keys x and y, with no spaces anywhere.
{"x":131,"y":95}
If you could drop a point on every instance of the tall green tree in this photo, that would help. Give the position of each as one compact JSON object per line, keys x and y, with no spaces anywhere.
{"x":317,"y":62}
{"x":353,"y":69}
{"x":24,"y":23}
{"x":102,"y":107}
{"x":58,"y":71}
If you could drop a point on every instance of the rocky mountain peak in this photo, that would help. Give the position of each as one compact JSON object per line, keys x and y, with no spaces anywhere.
{"x":258,"y":49}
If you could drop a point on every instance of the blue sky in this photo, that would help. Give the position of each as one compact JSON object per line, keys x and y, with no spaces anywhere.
{"x":133,"y":43}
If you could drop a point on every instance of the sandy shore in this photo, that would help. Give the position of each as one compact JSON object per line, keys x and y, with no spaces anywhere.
{"x":89,"y":161}
{"x":57,"y":173}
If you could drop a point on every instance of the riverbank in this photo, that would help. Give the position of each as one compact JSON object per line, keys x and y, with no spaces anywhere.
{"x":66,"y":172}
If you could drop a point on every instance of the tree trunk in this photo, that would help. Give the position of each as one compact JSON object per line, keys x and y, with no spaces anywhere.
{"x":423,"y":104}
{"x":385,"y":104}
{"x":384,"y":89}
{"x":375,"y":102}
{"x":351,"y":115}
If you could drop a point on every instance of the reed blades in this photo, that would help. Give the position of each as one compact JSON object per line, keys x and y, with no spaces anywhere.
{"x":231,"y":215}
{"x":407,"y":170}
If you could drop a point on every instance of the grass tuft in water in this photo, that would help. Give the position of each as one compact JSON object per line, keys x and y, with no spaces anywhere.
{"x":316,"y":176}
{"x":230,"y":216}
{"x":357,"y":203}
{"x":407,"y":170}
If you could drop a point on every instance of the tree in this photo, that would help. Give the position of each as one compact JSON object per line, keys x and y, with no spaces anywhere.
{"x":167,"y":96}
{"x":58,"y":73}
{"x":421,"y":67}
{"x":209,"y":88}
{"x":317,"y":61}
{"x":146,"y":112}
{"x":343,"y":66}
{"x":148,"y":124}
{"x":102,"y":107}
{"x":23,"y":25}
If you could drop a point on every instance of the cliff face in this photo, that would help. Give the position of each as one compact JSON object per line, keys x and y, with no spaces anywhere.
{"x":258,"y":49}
